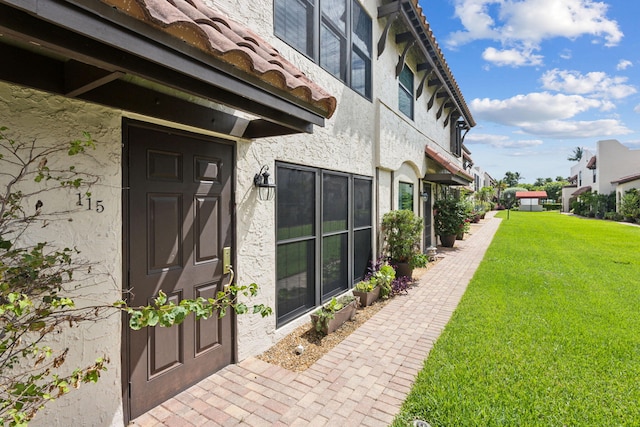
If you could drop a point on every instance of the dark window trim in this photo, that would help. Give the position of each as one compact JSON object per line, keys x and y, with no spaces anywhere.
{"x":319,"y":234}
{"x":315,"y":32}
{"x":407,"y":91}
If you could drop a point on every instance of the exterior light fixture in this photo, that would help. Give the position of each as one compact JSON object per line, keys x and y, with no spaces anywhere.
{"x":266,"y":189}
{"x":424,"y":196}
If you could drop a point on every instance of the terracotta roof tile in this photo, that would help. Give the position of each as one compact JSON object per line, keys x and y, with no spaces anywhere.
{"x":450,"y":166}
{"x":626,"y":179}
{"x":212,"y":32}
{"x":531,"y":194}
{"x":581,"y":190}
{"x":592,"y":163}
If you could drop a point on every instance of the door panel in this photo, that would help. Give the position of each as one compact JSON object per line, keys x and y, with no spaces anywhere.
{"x":180,"y":218}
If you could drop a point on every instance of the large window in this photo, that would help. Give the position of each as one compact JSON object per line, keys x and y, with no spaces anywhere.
{"x":405,"y":92}
{"x":334,"y":33}
{"x":324,"y":230}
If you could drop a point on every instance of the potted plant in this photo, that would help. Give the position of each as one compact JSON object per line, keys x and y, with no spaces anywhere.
{"x":367,"y":290}
{"x":333,"y":314}
{"x":401,"y":231}
{"x":449,"y":219}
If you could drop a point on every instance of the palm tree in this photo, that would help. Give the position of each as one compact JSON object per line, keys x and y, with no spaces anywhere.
{"x":577,"y":155}
{"x":500,"y":185}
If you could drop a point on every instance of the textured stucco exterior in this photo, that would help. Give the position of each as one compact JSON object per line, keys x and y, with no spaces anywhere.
{"x":48,"y":120}
{"x":613,"y":161}
{"x":369,"y":138}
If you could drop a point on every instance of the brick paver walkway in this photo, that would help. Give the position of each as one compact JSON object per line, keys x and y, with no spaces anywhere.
{"x":360,"y":382}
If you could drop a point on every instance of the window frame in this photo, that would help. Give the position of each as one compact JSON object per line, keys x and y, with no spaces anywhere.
{"x":348,"y":46}
{"x":407,"y":185}
{"x":318,"y":236}
{"x":406,"y":91}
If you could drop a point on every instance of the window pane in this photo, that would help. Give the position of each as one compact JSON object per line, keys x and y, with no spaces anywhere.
{"x":405,"y":102}
{"x":296,"y":203}
{"x":361,"y":253}
{"x":335,"y":206}
{"x":406,"y":79}
{"x":332,"y":55}
{"x":361,"y":74}
{"x":361,"y":29}
{"x":295,"y":284}
{"x":405,"y":196}
{"x":405,"y":92}
{"x":361,"y":202}
{"x":294,"y":24}
{"x":336,"y":12}
{"x":335,"y":264}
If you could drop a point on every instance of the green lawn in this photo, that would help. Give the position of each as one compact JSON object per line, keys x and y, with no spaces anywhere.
{"x":547,"y":334}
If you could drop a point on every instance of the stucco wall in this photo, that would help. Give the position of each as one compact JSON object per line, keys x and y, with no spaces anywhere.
{"x":614,"y":162}
{"x":34,"y":116}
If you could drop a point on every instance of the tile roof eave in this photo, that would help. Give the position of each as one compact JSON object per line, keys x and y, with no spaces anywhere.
{"x":222,"y":39}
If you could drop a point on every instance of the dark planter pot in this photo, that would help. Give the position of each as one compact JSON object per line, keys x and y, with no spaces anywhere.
{"x":448,"y":240}
{"x":403,"y":269}
{"x":348,"y":312}
{"x":460,"y":236}
{"x":367,"y":298}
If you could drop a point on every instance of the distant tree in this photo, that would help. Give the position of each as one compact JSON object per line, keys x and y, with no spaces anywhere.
{"x":577,"y":154}
{"x":554,"y":190}
{"x":539,"y":182}
{"x":500,"y":186}
{"x":560,"y":178}
{"x":512,"y":178}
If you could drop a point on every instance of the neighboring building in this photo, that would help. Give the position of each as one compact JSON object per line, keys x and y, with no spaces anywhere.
{"x":531,"y":200}
{"x":481,"y":179}
{"x":625,"y":184}
{"x":355,"y":114}
{"x":602,"y":171}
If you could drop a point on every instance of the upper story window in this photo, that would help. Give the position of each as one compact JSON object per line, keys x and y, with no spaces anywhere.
{"x":334,"y":33}
{"x":456,"y":137}
{"x":405,"y":92}
{"x":594,"y":175}
{"x":579,"y":178}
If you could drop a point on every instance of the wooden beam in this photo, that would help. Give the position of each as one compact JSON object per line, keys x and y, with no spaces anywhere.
{"x":404,"y":37}
{"x":401,"y":59}
{"x":433,"y":98}
{"x":421,"y":85}
{"x":80,"y":78}
{"x":382,"y":42}
{"x":388,"y":9}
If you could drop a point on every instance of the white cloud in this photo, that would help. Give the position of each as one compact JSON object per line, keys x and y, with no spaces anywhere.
{"x":521,"y":26}
{"x":547,"y":115}
{"x":500,"y":141}
{"x":566,"y":54}
{"x":637,"y":109}
{"x":596,"y":83}
{"x":532,"y":108}
{"x":511,"y":57}
{"x":577,"y":129}
{"x":624,"y":64}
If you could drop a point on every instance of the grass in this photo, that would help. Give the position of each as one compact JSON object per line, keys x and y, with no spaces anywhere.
{"x":547,"y":334}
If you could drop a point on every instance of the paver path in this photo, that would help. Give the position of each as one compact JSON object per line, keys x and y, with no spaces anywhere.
{"x":360,"y":382}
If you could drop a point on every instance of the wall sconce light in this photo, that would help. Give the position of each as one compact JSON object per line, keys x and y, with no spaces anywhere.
{"x":266,"y":189}
{"x":424,"y":196}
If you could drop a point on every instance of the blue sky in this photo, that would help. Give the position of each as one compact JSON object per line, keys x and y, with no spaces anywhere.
{"x":542,"y":77}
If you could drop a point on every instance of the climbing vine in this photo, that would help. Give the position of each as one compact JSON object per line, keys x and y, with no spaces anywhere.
{"x":37,"y":281}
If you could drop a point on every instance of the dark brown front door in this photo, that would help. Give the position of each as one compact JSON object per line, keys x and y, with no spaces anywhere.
{"x":180,"y":219}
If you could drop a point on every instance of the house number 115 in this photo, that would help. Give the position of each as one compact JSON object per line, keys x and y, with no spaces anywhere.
{"x":99,"y":206}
